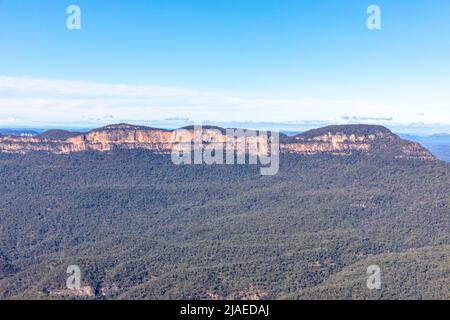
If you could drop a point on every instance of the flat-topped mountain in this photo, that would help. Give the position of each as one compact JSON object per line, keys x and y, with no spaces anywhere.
{"x":347,"y":139}
{"x":336,"y":140}
{"x":141,"y":227}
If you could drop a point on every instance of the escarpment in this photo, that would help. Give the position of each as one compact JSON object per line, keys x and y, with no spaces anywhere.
{"x":337,"y":140}
{"x":348,"y":139}
{"x":102,"y":139}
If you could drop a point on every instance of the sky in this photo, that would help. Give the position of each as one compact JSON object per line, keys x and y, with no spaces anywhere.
{"x":279,"y":61}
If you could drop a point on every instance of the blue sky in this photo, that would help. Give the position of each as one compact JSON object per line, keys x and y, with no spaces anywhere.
{"x":225,"y":60}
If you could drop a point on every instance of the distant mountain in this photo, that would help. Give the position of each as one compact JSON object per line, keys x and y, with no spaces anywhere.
{"x":112,"y":202}
{"x":347,"y":139}
{"x":438,"y":144}
{"x":337,"y":140}
{"x":19,"y":132}
{"x":57,"y":134}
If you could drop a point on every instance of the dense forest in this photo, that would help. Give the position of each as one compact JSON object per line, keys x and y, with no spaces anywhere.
{"x":141,"y":227}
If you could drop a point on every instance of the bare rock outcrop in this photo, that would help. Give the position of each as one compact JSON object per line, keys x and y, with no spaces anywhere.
{"x":336,"y":140}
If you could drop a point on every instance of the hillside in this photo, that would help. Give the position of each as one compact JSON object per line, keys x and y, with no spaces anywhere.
{"x":141,"y":227}
{"x":338,"y":140}
{"x":438,"y":144}
{"x":57,"y":135}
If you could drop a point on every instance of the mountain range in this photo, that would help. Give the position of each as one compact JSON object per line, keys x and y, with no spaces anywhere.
{"x":332,"y":139}
{"x":140,"y":227}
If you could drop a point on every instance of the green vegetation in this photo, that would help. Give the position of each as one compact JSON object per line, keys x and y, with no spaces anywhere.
{"x":155,"y":230}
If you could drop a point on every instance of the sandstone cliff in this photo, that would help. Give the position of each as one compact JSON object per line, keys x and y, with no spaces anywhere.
{"x":348,"y":139}
{"x":337,"y":140}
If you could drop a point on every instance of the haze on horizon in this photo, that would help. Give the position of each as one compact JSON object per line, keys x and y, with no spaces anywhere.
{"x":290,"y":63}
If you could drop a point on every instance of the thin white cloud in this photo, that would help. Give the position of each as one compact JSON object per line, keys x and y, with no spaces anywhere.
{"x":32,"y":101}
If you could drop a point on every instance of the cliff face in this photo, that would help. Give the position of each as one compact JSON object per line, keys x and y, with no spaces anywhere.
{"x":337,"y":140}
{"x":348,"y":139}
{"x":120,"y":136}
{"x":103,"y":139}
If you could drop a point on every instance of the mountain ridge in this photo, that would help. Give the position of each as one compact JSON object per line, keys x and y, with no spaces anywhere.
{"x":337,"y":140}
